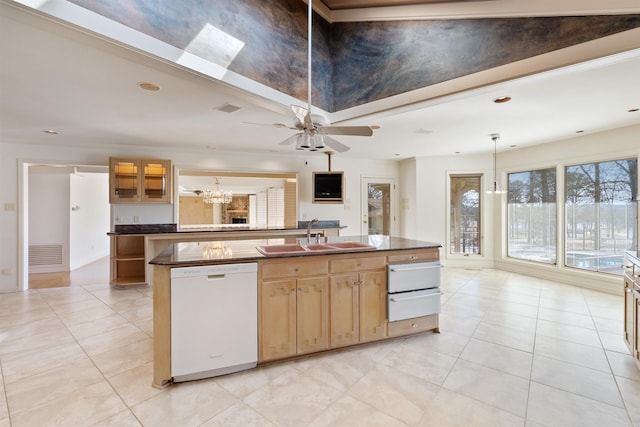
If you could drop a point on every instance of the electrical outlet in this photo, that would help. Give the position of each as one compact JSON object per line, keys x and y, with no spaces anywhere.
{"x":9,"y":207}
{"x":136,"y":218}
{"x":6,"y":272}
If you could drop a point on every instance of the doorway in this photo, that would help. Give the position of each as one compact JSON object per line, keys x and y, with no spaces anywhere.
{"x":378,"y":206}
{"x":65,"y":216}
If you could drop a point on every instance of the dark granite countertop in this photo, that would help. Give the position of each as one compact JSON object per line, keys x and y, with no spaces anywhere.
{"x":202,"y":253}
{"x":123,"y":229}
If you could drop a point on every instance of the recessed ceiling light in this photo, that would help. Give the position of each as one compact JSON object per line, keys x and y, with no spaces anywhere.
{"x":502,"y":99}
{"x":148,"y":86}
{"x":633,"y":110}
{"x":457,"y":152}
{"x":513,"y":146}
{"x":397,"y":154}
{"x":579,"y":131}
{"x":51,"y":132}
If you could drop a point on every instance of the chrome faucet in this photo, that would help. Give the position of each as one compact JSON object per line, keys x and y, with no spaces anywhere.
{"x":309,"y":224}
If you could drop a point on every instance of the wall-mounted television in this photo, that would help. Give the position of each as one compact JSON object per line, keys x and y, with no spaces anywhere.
{"x":328,"y":187}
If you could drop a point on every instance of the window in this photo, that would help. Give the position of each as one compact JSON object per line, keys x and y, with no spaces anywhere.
{"x":464,"y":229}
{"x":532,"y":215}
{"x":601,"y":211}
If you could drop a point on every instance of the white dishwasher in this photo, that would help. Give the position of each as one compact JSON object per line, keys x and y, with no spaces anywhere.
{"x":214,"y":320}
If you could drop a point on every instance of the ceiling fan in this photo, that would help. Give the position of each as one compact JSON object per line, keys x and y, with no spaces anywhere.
{"x":315,"y":129}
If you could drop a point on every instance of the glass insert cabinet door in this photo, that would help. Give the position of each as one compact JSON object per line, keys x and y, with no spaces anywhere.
{"x":154,"y":180}
{"x":139,"y":181}
{"x":125,"y":180}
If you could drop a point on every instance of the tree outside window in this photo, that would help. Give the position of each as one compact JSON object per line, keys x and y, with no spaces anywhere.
{"x":464,"y":233}
{"x":532,"y":215}
{"x":600,"y":208}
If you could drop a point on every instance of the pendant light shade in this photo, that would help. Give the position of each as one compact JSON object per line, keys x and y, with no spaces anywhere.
{"x":495,"y":187}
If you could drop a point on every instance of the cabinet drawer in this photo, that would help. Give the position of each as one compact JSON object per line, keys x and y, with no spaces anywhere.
{"x":412,"y":326}
{"x":348,"y":265}
{"x":293,"y":269}
{"x":423,"y":255}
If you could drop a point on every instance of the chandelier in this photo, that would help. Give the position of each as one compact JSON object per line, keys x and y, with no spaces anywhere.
{"x":495,"y":187}
{"x":217,"y":196}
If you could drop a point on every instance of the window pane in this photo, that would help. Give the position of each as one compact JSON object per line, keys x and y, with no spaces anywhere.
{"x":465,"y":214}
{"x":601,"y":211}
{"x":532,"y":216}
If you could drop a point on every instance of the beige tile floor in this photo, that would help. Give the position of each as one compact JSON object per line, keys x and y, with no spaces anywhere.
{"x":514,"y":351}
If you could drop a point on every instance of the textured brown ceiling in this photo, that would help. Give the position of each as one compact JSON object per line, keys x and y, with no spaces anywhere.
{"x":357,"y":4}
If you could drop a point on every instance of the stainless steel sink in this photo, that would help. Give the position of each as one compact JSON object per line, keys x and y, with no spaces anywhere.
{"x":310,"y":248}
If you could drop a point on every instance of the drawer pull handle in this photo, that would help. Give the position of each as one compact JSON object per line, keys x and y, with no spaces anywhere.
{"x":396,"y":269}
{"x":413,"y":325}
{"x":395,"y":299}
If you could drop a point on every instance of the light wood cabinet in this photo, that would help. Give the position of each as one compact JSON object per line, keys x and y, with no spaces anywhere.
{"x":294,"y":310}
{"x":632,"y":306}
{"x":128,"y":266}
{"x":430,"y":254}
{"x":139,"y":181}
{"x":412,"y":326}
{"x":629,"y":312}
{"x":358,"y":300}
{"x":636,"y":345}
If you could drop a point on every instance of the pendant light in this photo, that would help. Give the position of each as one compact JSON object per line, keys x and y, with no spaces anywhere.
{"x":495,"y":187}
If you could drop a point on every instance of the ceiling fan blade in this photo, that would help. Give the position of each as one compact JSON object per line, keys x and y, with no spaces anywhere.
{"x":303,"y":115}
{"x":338,"y":146}
{"x":277,"y":125}
{"x":347,"y":130}
{"x":290,"y":140}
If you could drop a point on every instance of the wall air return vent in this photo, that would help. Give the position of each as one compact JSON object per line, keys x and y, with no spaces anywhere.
{"x":46,"y":255}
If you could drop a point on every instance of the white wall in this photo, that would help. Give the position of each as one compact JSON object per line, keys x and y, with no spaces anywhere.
{"x":48,"y":212}
{"x":616,"y":144}
{"x":425,"y":218}
{"x":12,"y":156}
{"x":428,"y":221}
{"x":89,"y":218}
